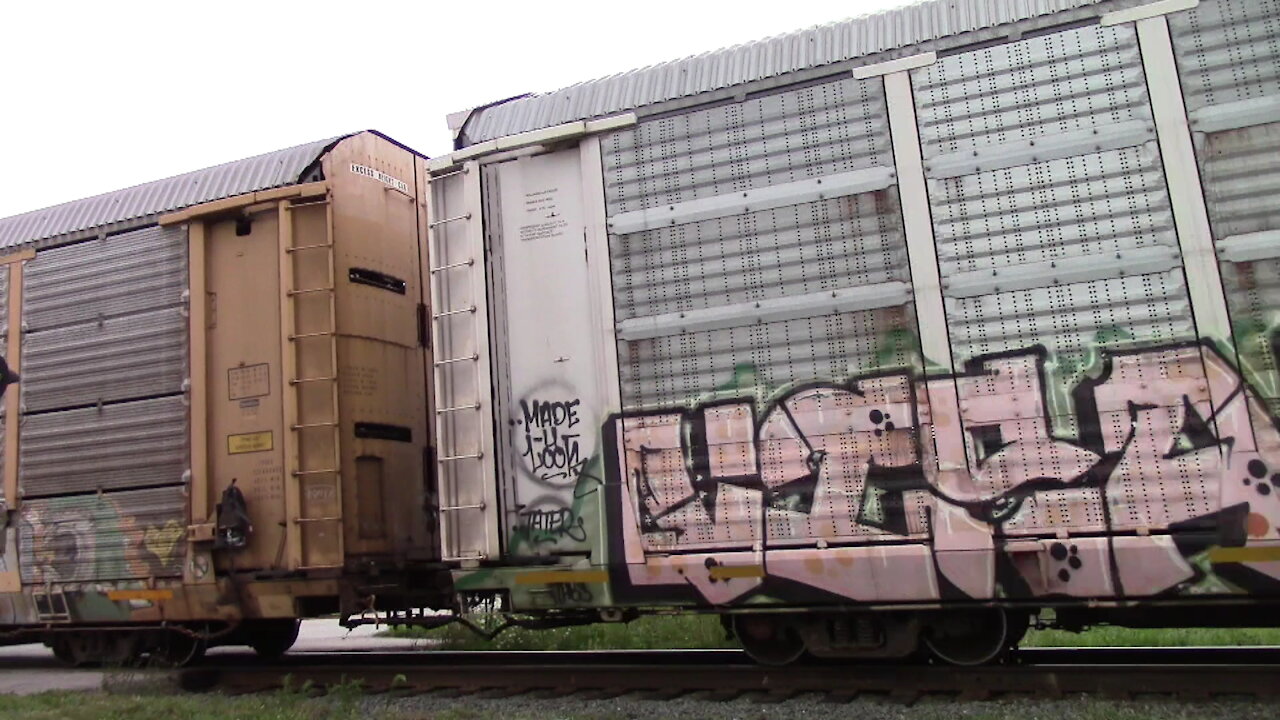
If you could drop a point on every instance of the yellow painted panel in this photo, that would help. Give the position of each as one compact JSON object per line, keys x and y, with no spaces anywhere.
{"x":250,"y":442}
{"x":152,"y":595}
{"x":557,"y":577}
{"x":1244,"y":554}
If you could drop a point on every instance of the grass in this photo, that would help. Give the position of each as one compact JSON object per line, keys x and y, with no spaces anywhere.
{"x":105,"y":706}
{"x":704,"y":631}
{"x":1152,"y":637}
{"x":646,"y":633}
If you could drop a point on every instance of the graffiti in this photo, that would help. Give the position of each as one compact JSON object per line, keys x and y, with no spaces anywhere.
{"x":163,"y":541}
{"x":548,"y":526}
{"x":893,"y":487}
{"x":548,"y":445}
{"x":86,"y":538}
{"x":569,"y":593}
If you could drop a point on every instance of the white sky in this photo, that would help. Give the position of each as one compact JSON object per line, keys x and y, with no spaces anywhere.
{"x":97,"y":96}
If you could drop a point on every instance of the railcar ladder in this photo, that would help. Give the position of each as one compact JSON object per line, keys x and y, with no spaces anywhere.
{"x":311,"y":367}
{"x":459,"y":337}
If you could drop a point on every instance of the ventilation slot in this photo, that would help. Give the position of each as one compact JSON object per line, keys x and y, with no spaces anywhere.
{"x":373,"y":278}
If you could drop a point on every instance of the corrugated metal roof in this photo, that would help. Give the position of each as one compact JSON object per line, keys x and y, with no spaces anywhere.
{"x":800,"y":50}
{"x":143,"y":203}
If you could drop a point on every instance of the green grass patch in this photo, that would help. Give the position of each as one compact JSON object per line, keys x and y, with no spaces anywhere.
{"x":106,"y":706}
{"x":1152,"y":637}
{"x":646,"y":633}
{"x":704,"y":631}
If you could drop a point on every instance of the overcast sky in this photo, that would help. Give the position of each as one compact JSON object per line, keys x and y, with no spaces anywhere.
{"x":97,"y":96}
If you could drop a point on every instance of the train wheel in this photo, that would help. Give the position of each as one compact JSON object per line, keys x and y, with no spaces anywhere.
{"x":273,"y":638}
{"x":114,"y":649}
{"x":768,"y":639}
{"x":178,"y":649}
{"x":64,"y":651}
{"x":969,"y":637}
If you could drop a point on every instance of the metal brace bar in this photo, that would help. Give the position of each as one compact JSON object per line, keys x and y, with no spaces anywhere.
{"x":308,"y":247}
{"x":299,"y":381}
{"x":463,"y":263}
{"x":457,"y":408}
{"x":455,"y":218}
{"x":459,"y":311}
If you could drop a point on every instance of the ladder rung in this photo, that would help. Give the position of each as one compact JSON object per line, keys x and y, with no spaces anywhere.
{"x":336,"y":518}
{"x":310,"y":335}
{"x":465,"y":263}
{"x":459,"y":311}
{"x":300,"y":248}
{"x":454,"y":508}
{"x":472,"y":358}
{"x":455,"y":218}
{"x":304,"y":291}
{"x":299,"y":381}
{"x":456,"y":408}
{"x":313,"y":425}
{"x":450,"y":458}
{"x":297,"y":473}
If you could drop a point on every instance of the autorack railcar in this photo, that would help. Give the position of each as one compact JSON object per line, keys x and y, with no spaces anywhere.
{"x":221,"y":418}
{"x":881,"y":335}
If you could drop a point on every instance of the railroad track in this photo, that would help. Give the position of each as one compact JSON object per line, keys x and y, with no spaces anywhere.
{"x":1183,"y":673}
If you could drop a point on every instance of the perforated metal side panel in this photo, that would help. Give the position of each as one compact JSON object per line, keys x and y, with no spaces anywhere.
{"x":126,"y":535}
{"x":777,"y":275}
{"x":134,"y":356}
{"x":1228,"y":54}
{"x":839,"y":243}
{"x":119,"y":275}
{"x":1056,"y":242}
{"x":1085,"y":79}
{"x":806,"y":133}
{"x":125,"y":445}
{"x":678,"y":370}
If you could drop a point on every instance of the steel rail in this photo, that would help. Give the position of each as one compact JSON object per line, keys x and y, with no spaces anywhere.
{"x":1124,"y":677}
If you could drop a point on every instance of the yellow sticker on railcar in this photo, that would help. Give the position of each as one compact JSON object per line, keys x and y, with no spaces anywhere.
{"x":250,"y":442}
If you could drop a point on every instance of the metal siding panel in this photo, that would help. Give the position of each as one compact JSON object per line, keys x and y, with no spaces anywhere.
{"x":678,"y":369}
{"x":859,"y":37}
{"x":112,"y":447}
{"x":127,"y":535}
{"x":1228,"y":51}
{"x":134,"y":356}
{"x":811,"y":132}
{"x":1083,"y":79}
{"x":820,"y":246}
{"x":4,"y":306}
{"x":119,"y":275}
{"x":143,"y":204}
{"x":1071,"y":322}
{"x":1241,"y":170}
{"x":1089,"y":205}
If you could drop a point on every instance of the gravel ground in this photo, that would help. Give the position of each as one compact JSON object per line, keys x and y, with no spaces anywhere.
{"x":806,"y":707}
